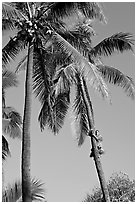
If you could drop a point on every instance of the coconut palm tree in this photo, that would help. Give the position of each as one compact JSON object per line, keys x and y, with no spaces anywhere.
{"x":41,"y":30}
{"x":38,"y":25}
{"x":13,"y":193}
{"x":83,"y":106}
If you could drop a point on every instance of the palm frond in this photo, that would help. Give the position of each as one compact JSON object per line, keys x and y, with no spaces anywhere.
{"x":9,"y":79}
{"x":61,"y":9}
{"x":67,"y":9}
{"x":91,"y":10}
{"x":81,"y":113}
{"x":14,"y":121}
{"x":12,"y":48}
{"x":38,"y":193}
{"x":53,"y":111}
{"x":22,"y":64}
{"x":8,"y":24}
{"x":21,"y":7}
{"x":118,"y":42}
{"x":64,"y":78}
{"x":10,"y":12}
{"x":41,"y":78}
{"x":89,"y":69}
{"x":116,"y":77}
{"x":96,"y":81}
{"x":13,"y":193}
{"x":80,"y":38}
{"x":5,"y":148}
{"x":50,"y":114}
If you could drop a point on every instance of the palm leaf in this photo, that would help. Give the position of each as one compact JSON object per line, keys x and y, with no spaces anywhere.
{"x":61,"y":9}
{"x":53,"y":111}
{"x":10,"y":12}
{"x":38,"y":193}
{"x":5,"y":148}
{"x":80,"y":108}
{"x":41,"y":77}
{"x":8,"y":24}
{"x":22,"y":8}
{"x":64,"y":78}
{"x":89,"y":69}
{"x":116,"y":77}
{"x":9,"y":79}
{"x":67,"y":9}
{"x":118,"y":42}
{"x":54,"y":106}
{"x":91,"y":10}
{"x":12,"y":48}
{"x":13,"y":193}
{"x":14,"y":122}
{"x":80,"y":38}
{"x":22,"y":64}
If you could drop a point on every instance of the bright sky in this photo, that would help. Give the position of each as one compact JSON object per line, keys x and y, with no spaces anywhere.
{"x":67,"y":171}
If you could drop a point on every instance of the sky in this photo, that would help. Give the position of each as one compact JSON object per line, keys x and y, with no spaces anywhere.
{"x":66,"y":169}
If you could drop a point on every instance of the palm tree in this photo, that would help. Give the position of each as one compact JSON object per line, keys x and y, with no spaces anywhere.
{"x":42,"y":31}
{"x":68,"y":75}
{"x":13,"y":193}
{"x":38,"y":25}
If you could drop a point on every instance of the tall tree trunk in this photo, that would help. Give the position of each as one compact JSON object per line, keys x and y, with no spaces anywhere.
{"x":95,"y":152}
{"x":26,"y":184}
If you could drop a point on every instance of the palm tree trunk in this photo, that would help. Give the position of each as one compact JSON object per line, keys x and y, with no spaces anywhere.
{"x":95,"y":153}
{"x":26,"y":184}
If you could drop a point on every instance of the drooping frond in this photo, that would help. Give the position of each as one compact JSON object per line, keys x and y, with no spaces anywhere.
{"x":5,"y":148}
{"x":81,"y":113}
{"x":41,"y":78}
{"x":64,"y":78}
{"x":13,"y":193}
{"x":9,"y":79}
{"x":91,"y":10}
{"x":53,"y":111}
{"x":118,"y":42}
{"x":96,"y":81}
{"x":12,"y":48}
{"x":89,"y":69}
{"x":12,"y":122}
{"x":116,"y":77}
{"x":67,"y":9}
{"x":54,"y":107}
